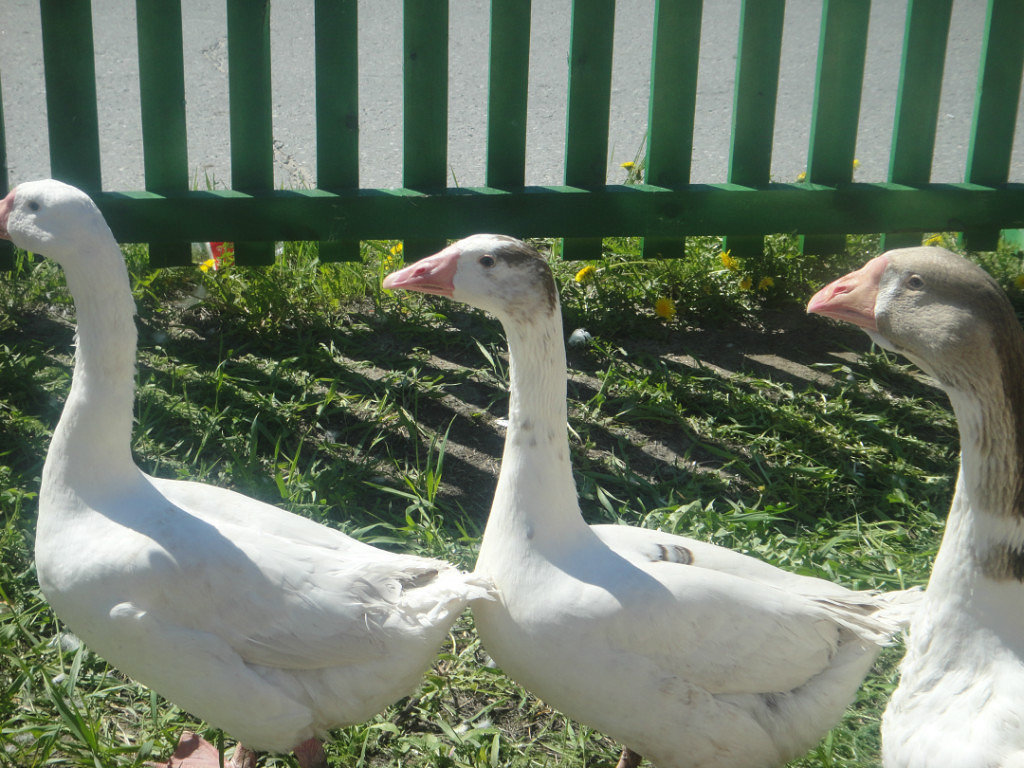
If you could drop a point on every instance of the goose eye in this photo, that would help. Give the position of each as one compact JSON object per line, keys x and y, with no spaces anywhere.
{"x":487,"y":261}
{"x":33,"y":205}
{"x":915,"y":283}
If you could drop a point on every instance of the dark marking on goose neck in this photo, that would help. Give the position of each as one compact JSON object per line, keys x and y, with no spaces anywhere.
{"x":992,"y":308}
{"x":1004,"y":563}
{"x":1012,"y":374}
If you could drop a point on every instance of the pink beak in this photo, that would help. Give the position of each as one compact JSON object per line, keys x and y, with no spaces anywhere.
{"x":5,"y":211}
{"x":852,"y":298}
{"x":434,"y":274}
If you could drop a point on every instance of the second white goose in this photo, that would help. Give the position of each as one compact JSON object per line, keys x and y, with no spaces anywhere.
{"x":687,"y":653}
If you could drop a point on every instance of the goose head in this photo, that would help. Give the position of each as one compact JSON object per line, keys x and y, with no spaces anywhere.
{"x":940,"y":310}
{"x":53,"y":219}
{"x":495,"y":273}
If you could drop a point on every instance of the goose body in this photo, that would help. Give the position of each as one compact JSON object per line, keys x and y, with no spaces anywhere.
{"x":960,"y":700}
{"x":264,"y":623}
{"x":688,"y":653}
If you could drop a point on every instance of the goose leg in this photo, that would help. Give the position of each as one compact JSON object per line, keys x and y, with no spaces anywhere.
{"x":310,"y":754}
{"x":243,"y":757}
{"x":629,"y":759}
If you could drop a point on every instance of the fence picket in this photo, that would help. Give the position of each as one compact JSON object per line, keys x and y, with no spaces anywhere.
{"x":6,"y":246}
{"x":507,"y":89}
{"x":252,"y":139}
{"x":753,"y":112}
{"x":840,"y":75}
{"x":162,"y":99}
{"x":336,"y":49}
{"x":917,"y":100}
{"x":995,"y":111}
{"x":425,"y":163}
{"x":673,"y":100}
{"x":70,"y":76}
{"x":586,"y":131}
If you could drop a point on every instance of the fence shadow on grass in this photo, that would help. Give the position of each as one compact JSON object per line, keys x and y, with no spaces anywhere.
{"x":318,"y":415}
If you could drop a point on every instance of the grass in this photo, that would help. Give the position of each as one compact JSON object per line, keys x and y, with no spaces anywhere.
{"x":732,"y":418}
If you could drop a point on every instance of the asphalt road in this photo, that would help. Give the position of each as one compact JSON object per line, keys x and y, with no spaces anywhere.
{"x":21,"y":74}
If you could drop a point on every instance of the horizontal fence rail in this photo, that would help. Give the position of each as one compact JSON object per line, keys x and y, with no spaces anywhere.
{"x":568,"y":211}
{"x":425,"y":212}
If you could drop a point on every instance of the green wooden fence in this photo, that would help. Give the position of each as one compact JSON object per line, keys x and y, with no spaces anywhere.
{"x":425,"y":212}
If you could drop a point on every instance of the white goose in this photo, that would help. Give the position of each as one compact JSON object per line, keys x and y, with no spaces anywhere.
{"x":688,"y":653}
{"x":960,"y":701}
{"x":266,"y":624}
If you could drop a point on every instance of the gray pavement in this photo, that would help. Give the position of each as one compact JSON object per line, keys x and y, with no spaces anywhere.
{"x":380,"y":52}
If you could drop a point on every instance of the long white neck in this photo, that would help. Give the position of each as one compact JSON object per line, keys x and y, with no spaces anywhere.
{"x":91,"y":447}
{"x":536,"y":497}
{"x":979,"y":569}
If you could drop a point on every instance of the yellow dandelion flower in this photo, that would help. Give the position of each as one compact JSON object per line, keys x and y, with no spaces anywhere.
{"x":586,"y":274}
{"x":802,"y":176}
{"x":209,"y":264}
{"x":934,"y":240}
{"x":856,"y":163}
{"x":396,"y":249}
{"x":627,"y":165}
{"x":729,"y":261}
{"x":765,"y":283}
{"x":746,"y":283}
{"x":1019,"y":282}
{"x":665,"y":308}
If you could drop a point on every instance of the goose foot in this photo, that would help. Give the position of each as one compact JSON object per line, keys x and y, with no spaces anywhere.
{"x":310,"y":754}
{"x":629,"y":759}
{"x":193,"y":751}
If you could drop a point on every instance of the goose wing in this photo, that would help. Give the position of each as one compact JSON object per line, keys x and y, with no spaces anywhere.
{"x":284,"y":591}
{"x":728,"y":632}
{"x":645,"y":544}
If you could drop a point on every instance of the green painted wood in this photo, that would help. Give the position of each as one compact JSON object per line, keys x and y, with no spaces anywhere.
{"x":1014,"y":238}
{"x":70,"y":75}
{"x":754,"y":96}
{"x":6,"y":247}
{"x":252,"y":148}
{"x":920,"y":88}
{"x":613,"y":211}
{"x":838,"y":82}
{"x":673,"y":99}
{"x":589,"y":100}
{"x":507,"y":88}
{"x":162,"y":99}
{"x":917,"y":100}
{"x":753,"y":110}
{"x":995,"y":108}
{"x":425,"y":100}
{"x":337,"y":108}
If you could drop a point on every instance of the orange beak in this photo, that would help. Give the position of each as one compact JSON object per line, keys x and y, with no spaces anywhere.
{"x":434,"y":274}
{"x":852,"y":297}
